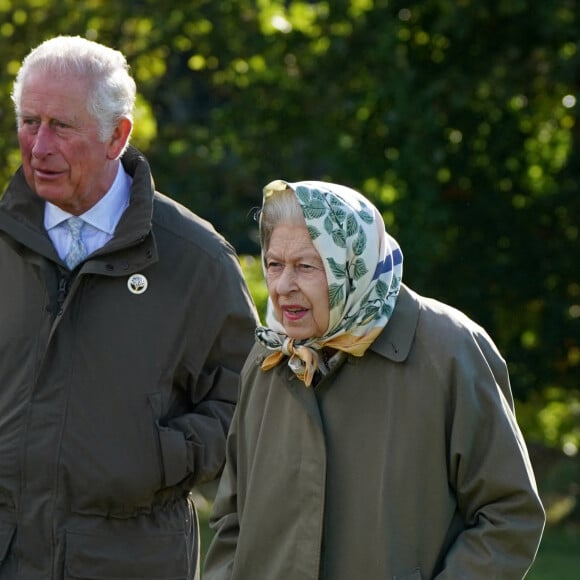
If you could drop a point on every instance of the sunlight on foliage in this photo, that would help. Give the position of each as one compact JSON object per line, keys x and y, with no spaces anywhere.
{"x":252,"y":269}
{"x":145,"y":125}
{"x":554,"y":417}
{"x":150,"y":66}
{"x":277,"y":16}
{"x":359,"y":7}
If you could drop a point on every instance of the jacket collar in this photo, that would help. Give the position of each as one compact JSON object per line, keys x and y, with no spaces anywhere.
{"x":397,"y":337}
{"x":133,"y":246}
{"x":22,"y":214}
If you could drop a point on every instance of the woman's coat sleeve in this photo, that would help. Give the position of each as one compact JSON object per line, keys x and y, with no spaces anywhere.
{"x":491,"y":473}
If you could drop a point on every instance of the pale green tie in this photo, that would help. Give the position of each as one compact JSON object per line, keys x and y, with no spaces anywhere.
{"x":77,"y":251}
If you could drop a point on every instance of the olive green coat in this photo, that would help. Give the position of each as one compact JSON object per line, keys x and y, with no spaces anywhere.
{"x":404,"y":464}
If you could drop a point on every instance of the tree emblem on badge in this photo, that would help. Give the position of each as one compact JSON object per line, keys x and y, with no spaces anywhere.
{"x":137,"y":284}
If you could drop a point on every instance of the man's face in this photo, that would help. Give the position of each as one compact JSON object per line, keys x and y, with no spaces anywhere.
{"x":64,"y":159}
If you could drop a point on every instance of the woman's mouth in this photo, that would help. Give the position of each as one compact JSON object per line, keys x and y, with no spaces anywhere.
{"x":294,"y":313}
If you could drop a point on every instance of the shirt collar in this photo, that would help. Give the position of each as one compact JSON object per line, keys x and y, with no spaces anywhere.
{"x":105,"y":214}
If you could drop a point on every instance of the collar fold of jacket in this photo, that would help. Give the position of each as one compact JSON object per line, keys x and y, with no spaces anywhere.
{"x":22,"y":215}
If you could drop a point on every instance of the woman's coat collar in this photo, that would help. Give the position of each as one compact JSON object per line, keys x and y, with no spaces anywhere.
{"x":396,"y":339}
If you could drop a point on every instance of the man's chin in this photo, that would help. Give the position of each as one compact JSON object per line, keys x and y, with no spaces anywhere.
{"x":52,"y":196}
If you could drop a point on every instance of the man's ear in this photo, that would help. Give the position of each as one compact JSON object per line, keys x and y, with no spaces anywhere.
{"x":119,"y":138}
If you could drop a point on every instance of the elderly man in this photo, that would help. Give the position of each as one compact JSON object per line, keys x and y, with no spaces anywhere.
{"x":124,"y":323}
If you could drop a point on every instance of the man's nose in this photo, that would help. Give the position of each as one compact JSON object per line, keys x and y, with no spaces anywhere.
{"x":43,"y":141}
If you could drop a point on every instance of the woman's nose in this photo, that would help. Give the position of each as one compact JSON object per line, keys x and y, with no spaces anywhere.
{"x":287,"y":281}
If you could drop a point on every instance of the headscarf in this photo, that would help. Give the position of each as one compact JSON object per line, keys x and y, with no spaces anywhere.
{"x":363,"y":265}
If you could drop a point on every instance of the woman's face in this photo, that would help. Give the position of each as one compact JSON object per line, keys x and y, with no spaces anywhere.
{"x":297,"y":282}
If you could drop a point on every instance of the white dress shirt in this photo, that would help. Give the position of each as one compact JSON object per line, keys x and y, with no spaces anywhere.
{"x":101,"y":220}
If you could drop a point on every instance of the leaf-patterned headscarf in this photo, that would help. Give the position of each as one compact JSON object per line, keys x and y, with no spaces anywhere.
{"x":364,"y":267}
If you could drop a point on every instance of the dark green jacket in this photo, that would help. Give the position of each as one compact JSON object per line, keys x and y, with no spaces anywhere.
{"x":114,"y":404}
{"x":405,"y":464}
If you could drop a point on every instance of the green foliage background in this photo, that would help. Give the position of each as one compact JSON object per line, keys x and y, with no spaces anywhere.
{"x":458,"y":118}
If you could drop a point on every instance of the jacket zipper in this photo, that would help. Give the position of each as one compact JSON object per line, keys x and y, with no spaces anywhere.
{"x":61,"y":294}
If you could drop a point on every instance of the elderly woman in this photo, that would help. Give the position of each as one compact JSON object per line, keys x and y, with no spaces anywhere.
{"x":375,"y":435}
